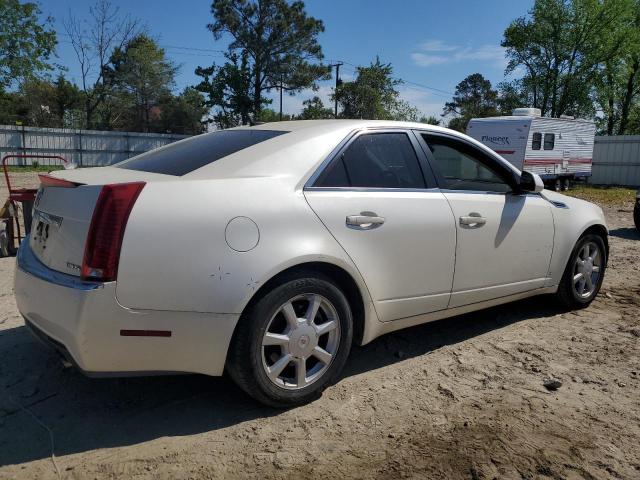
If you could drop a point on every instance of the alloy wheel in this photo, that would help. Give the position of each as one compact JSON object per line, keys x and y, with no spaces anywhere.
{"x":300,"y":341}
{"x":587,"y":270}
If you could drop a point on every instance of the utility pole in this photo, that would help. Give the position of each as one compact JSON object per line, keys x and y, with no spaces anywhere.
{"x":281,"y":82}
{"x":337,"y":65}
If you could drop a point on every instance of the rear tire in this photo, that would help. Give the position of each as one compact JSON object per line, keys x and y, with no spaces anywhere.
{"x":292,"y":342}
{"x":566,"y":184}
{"x":636,"y":215}
{"x":584,"y":273}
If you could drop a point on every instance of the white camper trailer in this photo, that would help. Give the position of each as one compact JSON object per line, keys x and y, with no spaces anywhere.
{"x":557,"y":149}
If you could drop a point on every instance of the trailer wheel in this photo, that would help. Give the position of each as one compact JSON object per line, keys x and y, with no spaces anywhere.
{"x":566,"y":184}
{"x":557,"y":186}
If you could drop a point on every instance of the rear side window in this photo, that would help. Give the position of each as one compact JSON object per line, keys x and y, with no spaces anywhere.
{"x":549,"y":141}
{"x":536,"y":141}
{"x":377,"y":160}
{"x":188,"y":155}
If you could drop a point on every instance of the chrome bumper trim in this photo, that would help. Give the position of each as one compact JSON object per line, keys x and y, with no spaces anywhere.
{"x":29,"y":263}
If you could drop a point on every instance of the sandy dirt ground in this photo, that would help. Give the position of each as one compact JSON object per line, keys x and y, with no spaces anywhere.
{"x":459,"y":398}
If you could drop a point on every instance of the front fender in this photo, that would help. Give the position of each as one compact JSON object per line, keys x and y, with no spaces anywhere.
{"x":572,"y":217}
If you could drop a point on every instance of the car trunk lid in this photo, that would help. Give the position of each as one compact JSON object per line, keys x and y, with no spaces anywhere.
{"x":64,"y":208}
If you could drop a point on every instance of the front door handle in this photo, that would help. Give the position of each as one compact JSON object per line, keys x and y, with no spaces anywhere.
{"x":364,"y":221}
{"x":473,"y":220}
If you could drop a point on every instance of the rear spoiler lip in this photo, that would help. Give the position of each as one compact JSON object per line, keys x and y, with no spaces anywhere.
{"x":47,"y":180}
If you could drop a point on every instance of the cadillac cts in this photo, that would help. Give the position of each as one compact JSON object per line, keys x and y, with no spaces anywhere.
{"x":268,"y":251}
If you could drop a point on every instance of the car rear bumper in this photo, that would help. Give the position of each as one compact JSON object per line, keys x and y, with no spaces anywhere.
{"x":85,"y":323}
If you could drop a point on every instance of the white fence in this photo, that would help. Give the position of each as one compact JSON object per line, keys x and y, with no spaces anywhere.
{"x":616,"y":160}
{"x":86,"y":148}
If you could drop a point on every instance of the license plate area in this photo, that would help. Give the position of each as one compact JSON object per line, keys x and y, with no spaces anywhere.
{"x":44,"y":227}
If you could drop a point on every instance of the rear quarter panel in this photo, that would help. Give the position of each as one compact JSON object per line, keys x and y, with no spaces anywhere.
{"x":175,"y":256}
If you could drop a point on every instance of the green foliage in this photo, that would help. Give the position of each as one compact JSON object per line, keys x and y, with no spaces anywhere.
{"x":141,"y":75}
{"x":617,"y":85}
{"x":268,"y":115}
{"x":560,"y":46}
{"x":314,"y":109}
{"x":42,"y":103}
{"x":474,"y":97}
{"x":430,"y":120}
{"x":404,"y":111}
{"x":227,"y":89}
{"x":25,"y":43}
{"x":184,"y":113}
{"x":277,"y":42}
{"x":372,"y":95}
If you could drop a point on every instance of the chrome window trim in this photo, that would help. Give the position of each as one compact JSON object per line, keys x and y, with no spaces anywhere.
{"x":344,"y":144}
{"x":371,"y":189}
{"x":499,"y":162}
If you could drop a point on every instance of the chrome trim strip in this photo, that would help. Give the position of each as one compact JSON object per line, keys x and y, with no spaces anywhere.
{"x":371,"y":189}
{"x":29,"y":263}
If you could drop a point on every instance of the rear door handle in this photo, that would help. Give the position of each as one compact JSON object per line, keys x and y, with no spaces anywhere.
{"x":364,"y":221}
{"x":473,"y":220}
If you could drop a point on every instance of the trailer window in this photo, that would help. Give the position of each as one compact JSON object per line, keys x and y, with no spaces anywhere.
{"x":536,"y":142}
{"x":549,"y":141}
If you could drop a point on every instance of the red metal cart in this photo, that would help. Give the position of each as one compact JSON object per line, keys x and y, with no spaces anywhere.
{"x":9,"y":211}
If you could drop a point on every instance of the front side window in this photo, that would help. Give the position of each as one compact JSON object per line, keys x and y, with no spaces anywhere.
{"x":549,"y":141}
{"x":376,"y":160}
{"x":536,"y":141}
{"x":461,"y":168}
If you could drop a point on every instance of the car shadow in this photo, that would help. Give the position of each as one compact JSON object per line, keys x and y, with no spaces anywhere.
{"x":86,"y":414}
{"x":627,"y":233}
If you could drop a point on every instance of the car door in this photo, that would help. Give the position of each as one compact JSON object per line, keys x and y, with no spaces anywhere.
{"x":504,"y":238}
{"x":377,"y":198}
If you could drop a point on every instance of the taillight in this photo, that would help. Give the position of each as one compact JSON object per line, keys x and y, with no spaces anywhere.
{"x":102,"y":250}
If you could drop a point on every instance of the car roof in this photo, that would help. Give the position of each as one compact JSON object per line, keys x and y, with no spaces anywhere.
{"x":295,"y":155}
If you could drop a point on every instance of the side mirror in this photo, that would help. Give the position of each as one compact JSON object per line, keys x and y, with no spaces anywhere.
{"x":531,"y":182}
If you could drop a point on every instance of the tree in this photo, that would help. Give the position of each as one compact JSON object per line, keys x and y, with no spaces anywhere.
{"x":278,"y":41}
{"x":404,"y":111}
{"x":184,"y":113}
{"x":560,"y":45}
{"x":41,"y":103}
{"x":25,"y":43}
{"x":474,"y":97}
{"x":314,"y":109}
{"x":141,"y":73}
{"x":618,"y":81}
{"x":94,"y":42}
{"x":227,"y":89}
{"x":430,"y":120}
{"x":372,"y":95}
{"x":267,"y":115}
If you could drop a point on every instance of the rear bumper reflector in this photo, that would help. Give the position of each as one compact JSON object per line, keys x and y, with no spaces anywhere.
{"x":145,"y":333}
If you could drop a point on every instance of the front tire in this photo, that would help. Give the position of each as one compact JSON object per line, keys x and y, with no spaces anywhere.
{"x":292,"y":342}
{"x":636,"y":215}
{"x":584,"y":273}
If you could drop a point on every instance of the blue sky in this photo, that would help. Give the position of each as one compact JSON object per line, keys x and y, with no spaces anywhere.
{"x":430,"y":43}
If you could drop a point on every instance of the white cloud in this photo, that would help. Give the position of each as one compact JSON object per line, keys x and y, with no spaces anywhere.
{"x":437,"y":46}
{"x":422,"y":100}
{"x":437,"y":52}
{"x":426,"y":60}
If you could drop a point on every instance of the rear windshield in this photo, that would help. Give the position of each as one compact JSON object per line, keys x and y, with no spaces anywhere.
{"x":188,"y":155}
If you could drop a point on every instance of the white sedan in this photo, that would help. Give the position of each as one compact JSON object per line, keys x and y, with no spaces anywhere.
{"x":268,"y":251}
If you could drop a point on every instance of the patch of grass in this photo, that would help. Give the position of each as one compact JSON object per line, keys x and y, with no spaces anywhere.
{"x":32,"y":168}
{"x":609,"y":196}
